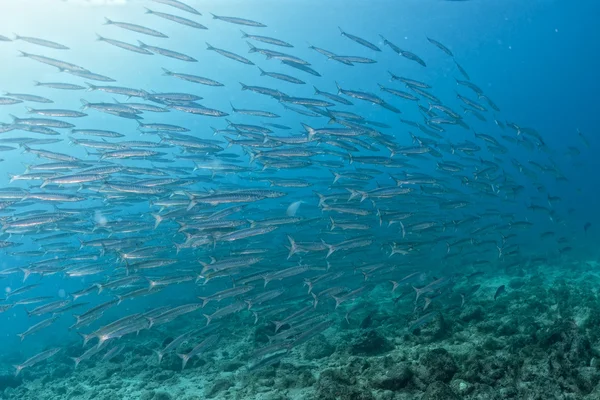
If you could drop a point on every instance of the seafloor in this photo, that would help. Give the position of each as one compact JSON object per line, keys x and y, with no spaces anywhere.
{"x":539,"y":340}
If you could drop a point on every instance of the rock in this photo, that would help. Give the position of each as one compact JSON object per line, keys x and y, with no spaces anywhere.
{"x":370,"y":343}
{"x":439,"y":391}
{"x":232,"y":366}
{"x":461,"y":387}
{"x":516,"y":283}
{"x":162,"y":376}
{"x":472,"y":314}
{"x":318,"y":349}
{"x":508,"y":328}
{"x":220,"y":385}
{"x":335,"y":384}
{"x":147,"y":395}
{"x":396,"y":378}
{"x":162,"y":396}
{"x":9,"y":381}
{"x":437,"y":365}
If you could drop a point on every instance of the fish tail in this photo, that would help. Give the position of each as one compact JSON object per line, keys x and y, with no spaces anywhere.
{"x":157,"y":220}
{"x":315,"y":300}
{"x":253,"y":48}
{"x":86,"y":338}
{"x":76,"y":360}
{"x":184,"y":360}
{"x":331,"y":248}
{"x":278,"y":324}
{"x":339,"y":88}
{"x":338,"y":301}
{"x":293,"y":246}
{"x":205,"y":301}
{"x":310,"y":132}
{"x":26,"y":273}
{"x":419,"y":292}
{"x":208,"y":319}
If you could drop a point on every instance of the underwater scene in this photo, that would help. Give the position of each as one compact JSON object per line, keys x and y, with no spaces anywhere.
{"x":277,"y":199}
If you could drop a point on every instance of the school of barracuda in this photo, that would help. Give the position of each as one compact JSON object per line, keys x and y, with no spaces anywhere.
{"x":259,"y":218}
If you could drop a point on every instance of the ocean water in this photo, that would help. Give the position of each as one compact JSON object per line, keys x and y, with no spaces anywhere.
{"x":414,"y":216}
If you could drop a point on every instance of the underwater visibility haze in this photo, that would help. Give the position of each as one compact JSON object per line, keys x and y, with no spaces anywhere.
{"x":299,"y":199}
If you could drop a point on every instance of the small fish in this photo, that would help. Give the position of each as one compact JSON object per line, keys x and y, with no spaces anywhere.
{"x":178,"y":4}
{"x":135,"y":28}
{"x":359,"y":40}
{"x":124,"y":45}
{"x":175,"y":18}
{"x":239,"y":21}
{"x":166,"y":52}
{"x":230,"y":55}
{"x":41,"y":42}
{"x":266,"y":39}
{"x":36,"y":359}
{"x":440,"y":46}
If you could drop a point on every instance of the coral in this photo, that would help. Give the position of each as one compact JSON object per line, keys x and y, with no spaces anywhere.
{"x":334,"y":385}
{"x":9,"y":381}
{"x":219,"y":386}
{"x":396,"y":378}
{"x":318,"y":349}
{"x":436,"y":365}
{"x":370,"y":343}
{"x":439,"y":391}
{"x":472,"y":313}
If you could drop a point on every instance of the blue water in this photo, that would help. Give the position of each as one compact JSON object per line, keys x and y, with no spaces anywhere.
{"x":536,"y":60}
